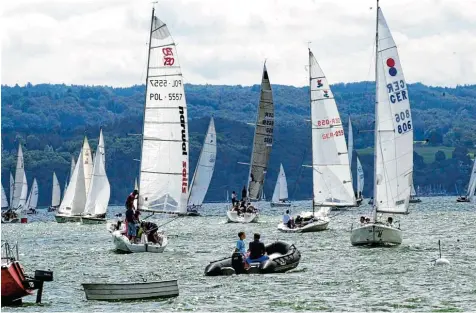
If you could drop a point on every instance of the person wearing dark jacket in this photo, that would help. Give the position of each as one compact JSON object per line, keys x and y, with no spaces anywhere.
{"x":243,"y":193}
{"x":257,"y":251}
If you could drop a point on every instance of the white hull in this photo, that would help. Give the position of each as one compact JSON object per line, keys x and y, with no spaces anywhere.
{"x":280,"y":204}
{"x":92,"y":220}
{"x":233,"y":217}
{"x":376,"y":235}
{"x":319,"y":225}
{"x":122,"y":243}
{"x":131,"y":291}
{"x":67,"y":218}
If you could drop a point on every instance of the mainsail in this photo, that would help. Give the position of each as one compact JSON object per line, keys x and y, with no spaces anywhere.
{"x":19,"y":175}
{"x":471,"y":194}
{"x":281,"y":189}
{"x":332,"y":180}
{"x":74,"y":199}
{"x":4,"y":199}
{"x":73,"y":165}
{"x":32,"y":201}
{"x":204,"y":169}
{"x":87,"y":164}
{"x":24,"y":192}
{"x":163,"y":181}
{"x":393,"y":128}
{"x":99,"y":192}
{"x":263,"y":139}
{"x":56,"y":192}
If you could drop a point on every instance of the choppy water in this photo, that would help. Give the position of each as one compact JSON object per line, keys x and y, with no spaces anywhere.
{"x":332,"y":275}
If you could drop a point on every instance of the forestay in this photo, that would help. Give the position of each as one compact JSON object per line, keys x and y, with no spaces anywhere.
{"x":394,"y":128}
{"x":19,"y":175}
{"x":263,"y":139}
{"x":75,"y":195}
{"x":281,"y":189}
{"x":332,"y":182}
{"x":163,"y":181}
{"x":56,"y":192}
{"x":205,"y":166}
{"x":99,"y":193}
{"x":33,"y":197}
{"x":87,"y":164}
{"x":4,"y":198}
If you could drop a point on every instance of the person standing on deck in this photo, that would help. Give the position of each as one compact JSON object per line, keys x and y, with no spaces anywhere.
{"x":130,"y":199}
{"x":130,"y":216}
{"x":243,"y":193}
{"x":233,"y":198}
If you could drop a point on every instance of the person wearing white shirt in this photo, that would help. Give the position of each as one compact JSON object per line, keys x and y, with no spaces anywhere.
{"x":287,"y":220}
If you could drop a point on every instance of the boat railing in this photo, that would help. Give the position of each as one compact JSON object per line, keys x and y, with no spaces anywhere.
{"x":10,"y":251}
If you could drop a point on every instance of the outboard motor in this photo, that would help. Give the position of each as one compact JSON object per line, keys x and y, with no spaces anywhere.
{"x":237,"y":263}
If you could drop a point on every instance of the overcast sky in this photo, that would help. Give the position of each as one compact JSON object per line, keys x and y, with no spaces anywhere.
{"x":104,"y":42}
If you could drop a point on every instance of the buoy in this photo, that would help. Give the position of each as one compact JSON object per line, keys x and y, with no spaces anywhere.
{"x":441,"y":261}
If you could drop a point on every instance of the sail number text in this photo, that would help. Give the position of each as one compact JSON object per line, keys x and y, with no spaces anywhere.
{"x":397,"y":91}
{"x":330,"y":135}
{"x":170,"y":97}
{"x":328,"y":122}
{"x":165,"y":83}
{"x":404,"y":121}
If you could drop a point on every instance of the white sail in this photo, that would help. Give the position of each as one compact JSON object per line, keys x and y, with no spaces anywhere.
{"x":350,"y":143}
{"x":281,"y":189}
{"x":227,"y":199}
{"x":88,"y":164}
{"x":205,"y":167}
{"x":56,"y":192}
{"x":471,"y":194}
{"x":332,"y":180}
{"x":24,"y":193}
{"x":163,"y":181}
{"x":100,"y":190}
{"x":74,"y":199}
{"x":4,"y":198}
{"x":32,"y":201}
{"x":412,"y":191}
{"x":12,"y":188}
{"x":73,"y":165}
{"x":19,"y":175}
{"x":393,"y":128}
{"x":136,"y":187}
{"x":263,"y":139}
{"x":360,"y":177}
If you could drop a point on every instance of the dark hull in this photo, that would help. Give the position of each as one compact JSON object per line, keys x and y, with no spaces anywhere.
{"x":282,"y":258}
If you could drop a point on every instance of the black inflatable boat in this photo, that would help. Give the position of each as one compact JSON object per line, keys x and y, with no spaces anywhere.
{"x":282,"y":258}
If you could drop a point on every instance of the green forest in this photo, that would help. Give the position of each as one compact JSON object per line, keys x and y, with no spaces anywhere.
{"x":51,"y":120}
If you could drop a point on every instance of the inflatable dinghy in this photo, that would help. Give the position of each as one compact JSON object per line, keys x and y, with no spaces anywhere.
{"x":282,"y":258}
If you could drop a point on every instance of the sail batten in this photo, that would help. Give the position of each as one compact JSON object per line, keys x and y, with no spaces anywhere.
{"x":263,"y":139}
{"x":394,"y":128}
{"x":332,"y":180}
{"x":163,"y":180}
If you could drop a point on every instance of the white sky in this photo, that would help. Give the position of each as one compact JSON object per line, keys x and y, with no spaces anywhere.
{"x":103,"y":42}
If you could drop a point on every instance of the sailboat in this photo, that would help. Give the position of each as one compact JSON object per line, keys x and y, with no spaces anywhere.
{"x":4,"y":199}
{"x":280,"y":194}
{"x":87,"y":164}
{"x":55,"y":194}
{"x":164,"y":163}
{"x":471,"y":192}
{"x":74,"y":198}
{"x":360,"y":172}
{"x":20,"y":191}
{"x":262,"y":144}
{"x":98,"y":197}
{"x":413,"y":195}
{"x":203,"y":171}
{"x":393,"y":173}
{"x":32,"y":201}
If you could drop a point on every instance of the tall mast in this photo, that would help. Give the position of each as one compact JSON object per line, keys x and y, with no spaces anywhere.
{"x":375,"y":203}
{"x":145,"y":96}
{"x":310,"y":107}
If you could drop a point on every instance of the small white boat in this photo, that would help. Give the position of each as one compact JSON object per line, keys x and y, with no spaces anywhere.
{"x":280,"y":194}
{"x":234,"y":217}
{"x":131,"y":291}
{"x":122,"y":243}
{"x":18,"y":192}
{"x":318,"y":225}
{"x":393,"y":170}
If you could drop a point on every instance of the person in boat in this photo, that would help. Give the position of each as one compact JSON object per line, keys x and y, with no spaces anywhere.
{"x":390,"y":221}
{"x":243,"y":193}
{"x":298,"y":221}
{"x":288,"y":220}
{"x":130,"y":199}
{"x":362,"y":219}
{"x":233,"y":198}
{"x":131,"y":221}
{"x":150,"y":229}
{"x":367,"y":220}
{"x":240,"y":244}
{"x":257,"y":251}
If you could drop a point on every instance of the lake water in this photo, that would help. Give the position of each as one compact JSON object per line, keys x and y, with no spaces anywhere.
{"x":332,"y":275}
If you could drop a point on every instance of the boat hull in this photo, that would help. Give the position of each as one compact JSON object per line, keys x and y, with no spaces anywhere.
{"x":13,"y":288}
{"x":67,"y":218}
{"x":463,"y":200}
{"x":92,"y":220}
{"x":316,"y":226}
{"x":245,"y":218}
{"x":122,"y":243}
{"x":131,"y":291}
{"x":13,"y":220}
{"x":415,"y":200}
{"x":280,"y":204}
{"x":376,"y":235}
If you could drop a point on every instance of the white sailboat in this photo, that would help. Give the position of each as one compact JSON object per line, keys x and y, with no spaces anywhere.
{"x":280,"y":194}
{"x":98,"y":197}
{"x":88,"y":164}
{"x":55,"y":194}
{"x":360,"y":172}
{"x":393,"y":174}
{"x":471,"y":192}
{"x":20,"y":191}
{"x":74,"y":198}
{"x":32,"y":202}
{"x":262,"y":144}
{"x":203,"y":171}
{"x":4,"y":199}
{"x":413,"y":195}
{"x":164,"y":163}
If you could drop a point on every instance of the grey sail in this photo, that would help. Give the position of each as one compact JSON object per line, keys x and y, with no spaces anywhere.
{"x":263,"y":139}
